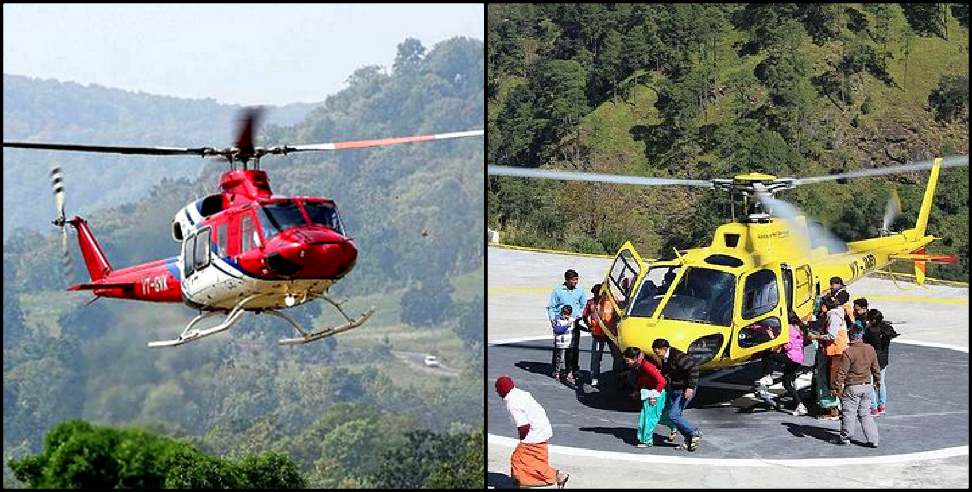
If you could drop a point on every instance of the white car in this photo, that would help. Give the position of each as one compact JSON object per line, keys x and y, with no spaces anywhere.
{"x":431,"y":361}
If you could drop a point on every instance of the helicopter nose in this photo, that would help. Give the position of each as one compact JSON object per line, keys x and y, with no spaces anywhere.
{"x":329,"y":260}
{"x":313,"y":254}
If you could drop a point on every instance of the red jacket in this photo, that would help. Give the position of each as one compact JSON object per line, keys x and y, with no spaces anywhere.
{"x":649,"y":376}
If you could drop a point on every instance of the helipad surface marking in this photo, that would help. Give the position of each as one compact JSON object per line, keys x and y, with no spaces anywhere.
{"x":743,"y":462}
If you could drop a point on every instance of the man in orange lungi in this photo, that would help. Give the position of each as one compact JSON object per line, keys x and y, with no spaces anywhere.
{"x":530,"y":463}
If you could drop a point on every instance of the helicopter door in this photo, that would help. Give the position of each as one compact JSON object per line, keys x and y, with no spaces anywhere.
{"x":762,"y":322}
{"x":199,"y":280}
{"x":621,"y":283}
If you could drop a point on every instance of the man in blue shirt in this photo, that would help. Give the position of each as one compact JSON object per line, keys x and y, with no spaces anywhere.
{"x":569,"y":294}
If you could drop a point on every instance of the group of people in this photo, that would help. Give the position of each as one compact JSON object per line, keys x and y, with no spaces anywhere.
{"x":845,"y":346}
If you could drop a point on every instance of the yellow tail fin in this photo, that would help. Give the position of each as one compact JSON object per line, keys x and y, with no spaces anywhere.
{"x":926,"y":202}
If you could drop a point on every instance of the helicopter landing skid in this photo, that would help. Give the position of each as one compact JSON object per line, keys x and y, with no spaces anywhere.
{"x":189,"y":333}
{"x":323,"y":332}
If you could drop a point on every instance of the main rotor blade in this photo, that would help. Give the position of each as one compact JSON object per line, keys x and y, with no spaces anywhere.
{"x":593,"y":177}
{"x":201,"y":151}
{"x":247,"y":126}
{"x":960,"y":160}
{"x":360,"y":144}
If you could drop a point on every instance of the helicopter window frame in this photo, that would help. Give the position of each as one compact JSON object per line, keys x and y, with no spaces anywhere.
{"x":188,"y":250}
{"x":804,"y":284}
{"x":222,"y":239}
{"x":759,"y":332}
{"x":337,"y":225}
{"x":203,"y":234}
{"x":249,"y":236}
{"x":616,"y":277}
{"x":768,"y":293}
{"x":699,"y":291}
{"x":788,"y":288}
{"x":272,"y":222}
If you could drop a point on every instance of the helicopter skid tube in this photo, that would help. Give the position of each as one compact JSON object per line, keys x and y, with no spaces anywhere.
{"x":189,"y":333}
{"x":324,"y":332}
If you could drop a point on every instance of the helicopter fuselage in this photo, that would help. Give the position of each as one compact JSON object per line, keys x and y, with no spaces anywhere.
{"x":728,"y":303}
{"x":235,"y":244}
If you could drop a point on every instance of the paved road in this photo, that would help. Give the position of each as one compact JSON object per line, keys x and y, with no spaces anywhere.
{"x":417,"y":360}
{"x":518,"y":283}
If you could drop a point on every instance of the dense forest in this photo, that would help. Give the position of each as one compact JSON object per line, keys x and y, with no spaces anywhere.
{"x":349,"y":411}
{"x":703,"y":91}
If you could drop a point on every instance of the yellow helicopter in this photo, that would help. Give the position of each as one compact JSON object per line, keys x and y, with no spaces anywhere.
{"x":722,"y":303}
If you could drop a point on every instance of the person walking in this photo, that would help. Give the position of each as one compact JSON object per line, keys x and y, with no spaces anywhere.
{"x":650,"y":390}
{"x":682,"y":374}
{"x":852,"y":385}
{"x":878,"y":334}
{"x":593,"y":317}
{"x":530,"y":462}
{"x":568,"y":294}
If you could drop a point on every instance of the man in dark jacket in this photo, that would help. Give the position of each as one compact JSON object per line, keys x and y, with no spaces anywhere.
{"x":682,"y":373}
{"x":878,"y":334}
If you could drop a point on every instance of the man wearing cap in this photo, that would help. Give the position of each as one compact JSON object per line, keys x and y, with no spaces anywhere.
{"x":852,"y":384}
{"x":530,"y":463}
{"x":568,"y":294}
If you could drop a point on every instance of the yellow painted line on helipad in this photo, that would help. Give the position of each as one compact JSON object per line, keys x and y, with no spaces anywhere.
{"x":547,"y":251}
{"x":519,"y":290}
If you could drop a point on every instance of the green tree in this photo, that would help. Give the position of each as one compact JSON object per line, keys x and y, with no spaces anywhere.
{"x":427,"y":304}
{"x":409,"y":55}
{"x":466,"y":472}
{"x":951,"y":98}
{"x":927,"y":19}
{"x":77,"y":454}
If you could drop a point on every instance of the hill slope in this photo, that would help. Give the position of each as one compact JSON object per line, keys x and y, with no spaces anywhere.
{"x":705,"y":91}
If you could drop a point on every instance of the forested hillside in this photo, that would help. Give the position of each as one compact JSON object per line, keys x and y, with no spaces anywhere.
{"x":349,"y":410}
{"x":67,"y":112}
{"x":706,"y":91}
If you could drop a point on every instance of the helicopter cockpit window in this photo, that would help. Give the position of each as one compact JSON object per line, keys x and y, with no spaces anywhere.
{"x":760,"y":294}
{"x":278,"y":217}
{"x":702,"y":296}
{"x":657,"y":281}
{"x":324,"y":214}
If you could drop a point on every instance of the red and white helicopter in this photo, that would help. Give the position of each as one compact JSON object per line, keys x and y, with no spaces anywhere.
{"x":243,"y":249}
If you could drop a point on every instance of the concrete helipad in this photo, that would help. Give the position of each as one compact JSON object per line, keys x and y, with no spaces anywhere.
{"x":924,"y":438}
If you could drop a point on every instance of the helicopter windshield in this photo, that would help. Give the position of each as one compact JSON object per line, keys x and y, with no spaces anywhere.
{"x":701,"y":295}
{"x":324,"y":214}
{"x":278,"y":217}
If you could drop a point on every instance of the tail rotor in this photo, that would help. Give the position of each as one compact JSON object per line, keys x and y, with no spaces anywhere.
{"x":891,"y":210}
{"x":57,"y":185}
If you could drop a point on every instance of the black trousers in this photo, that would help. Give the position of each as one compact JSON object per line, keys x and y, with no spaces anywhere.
{"x":573,"y":353}
{"x":790,"y":371}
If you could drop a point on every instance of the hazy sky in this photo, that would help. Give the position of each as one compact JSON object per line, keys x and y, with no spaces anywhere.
{"x":239,"y":54}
